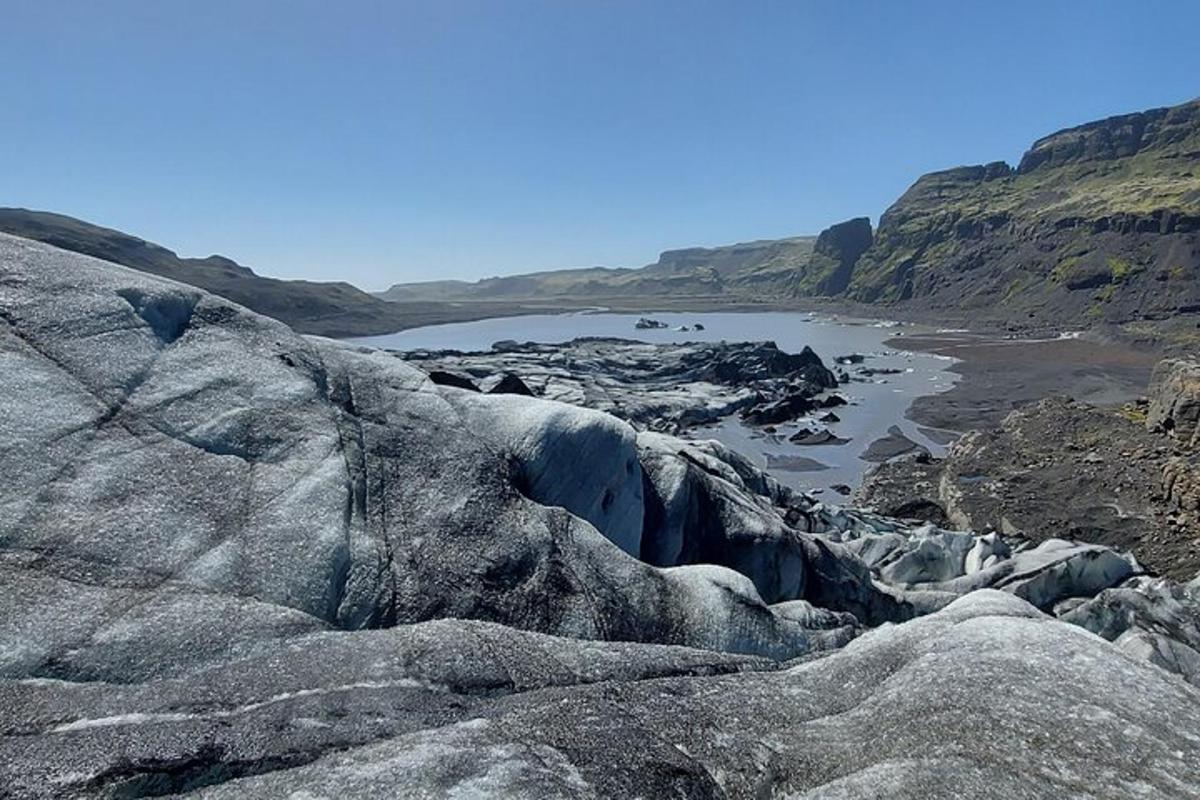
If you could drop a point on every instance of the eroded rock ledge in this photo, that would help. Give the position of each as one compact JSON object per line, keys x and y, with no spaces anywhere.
{"x":1061,"y":468}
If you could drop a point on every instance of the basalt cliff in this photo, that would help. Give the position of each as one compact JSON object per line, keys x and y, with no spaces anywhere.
{"x":1099,"y":223}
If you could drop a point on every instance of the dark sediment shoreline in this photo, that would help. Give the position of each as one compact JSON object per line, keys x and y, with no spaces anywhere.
{"x":1000,"y":375}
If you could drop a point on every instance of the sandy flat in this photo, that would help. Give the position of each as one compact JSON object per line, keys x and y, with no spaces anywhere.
{"x":999,"y":375}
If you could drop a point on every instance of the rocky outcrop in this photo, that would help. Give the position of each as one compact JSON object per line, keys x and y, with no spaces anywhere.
{"x":1099,"y":223}
{"x":1174,"y":406}
{"x":1181,"y":489}
{"x":1174,"y":409}
{"x":1114,"y":138}
{"x":1056,"y":469}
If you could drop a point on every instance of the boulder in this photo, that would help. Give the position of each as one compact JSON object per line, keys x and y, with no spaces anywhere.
{"x":1175,"y":400}
{"x":814,"y":436}
{"x":646,"y":323}
{"x":785,"y":409}
{"x":1181,"y":486}
{"x":832,"y":401}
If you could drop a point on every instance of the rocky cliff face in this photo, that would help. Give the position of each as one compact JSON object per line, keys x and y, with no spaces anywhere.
{"x":1174,"y":401}
{"x":837,"y":250}
{"x":1098,"y":223}
{"x":1174,"y":409}
{"x":237,"y":561}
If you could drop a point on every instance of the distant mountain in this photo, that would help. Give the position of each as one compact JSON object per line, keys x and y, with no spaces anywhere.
{"x":1098,"y":223}
{"x":698,"y":272}
{"x":328,"y":309}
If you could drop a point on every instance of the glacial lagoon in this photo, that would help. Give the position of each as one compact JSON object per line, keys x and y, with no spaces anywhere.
{"x":877,"y":402}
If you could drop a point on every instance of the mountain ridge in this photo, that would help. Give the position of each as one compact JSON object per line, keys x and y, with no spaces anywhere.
{"x":336,"y":309}
{"x":687,"y":271}
{"x":1098,"y":224}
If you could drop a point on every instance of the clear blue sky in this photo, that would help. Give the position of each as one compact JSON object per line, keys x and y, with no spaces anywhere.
{"x":387,"y":141}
